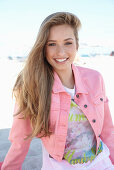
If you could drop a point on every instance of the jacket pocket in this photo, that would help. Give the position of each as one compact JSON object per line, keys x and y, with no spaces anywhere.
{"x":98,"y":103}
{"x":98,"y":100}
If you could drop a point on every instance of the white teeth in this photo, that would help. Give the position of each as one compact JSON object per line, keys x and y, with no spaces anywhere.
{"x":61,"y":60}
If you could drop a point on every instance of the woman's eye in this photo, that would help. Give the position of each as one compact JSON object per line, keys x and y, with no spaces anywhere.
{"x":68,"y":43}
{"x":51,"y":44}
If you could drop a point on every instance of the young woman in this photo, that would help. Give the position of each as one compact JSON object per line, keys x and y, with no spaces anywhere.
{"x":64,"y":105}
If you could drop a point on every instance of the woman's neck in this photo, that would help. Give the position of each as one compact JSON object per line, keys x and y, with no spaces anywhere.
{"x":67,"y":78}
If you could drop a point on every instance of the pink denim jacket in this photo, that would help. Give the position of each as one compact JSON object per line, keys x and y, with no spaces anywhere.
{"x":90,"y":96}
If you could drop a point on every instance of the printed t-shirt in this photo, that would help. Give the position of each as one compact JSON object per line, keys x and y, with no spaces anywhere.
{"x":80,"y":144}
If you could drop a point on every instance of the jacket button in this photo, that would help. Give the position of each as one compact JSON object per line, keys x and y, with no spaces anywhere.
{"x":85,"y":105}
{"x":93,"y":120}
{"x":101,"y":99}
{"x":77,"y":95}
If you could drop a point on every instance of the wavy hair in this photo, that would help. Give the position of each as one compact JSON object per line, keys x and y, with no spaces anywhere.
{"x":34,"y":83}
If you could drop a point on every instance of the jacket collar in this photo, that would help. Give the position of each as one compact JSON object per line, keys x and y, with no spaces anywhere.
{"x":79,"y":83}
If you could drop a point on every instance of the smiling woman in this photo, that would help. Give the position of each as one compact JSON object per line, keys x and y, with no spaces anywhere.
{"x":61,"y":50}
{"x":62,"y":104}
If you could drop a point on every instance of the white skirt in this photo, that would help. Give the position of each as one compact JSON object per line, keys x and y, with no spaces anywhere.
{"x":101,"y":162}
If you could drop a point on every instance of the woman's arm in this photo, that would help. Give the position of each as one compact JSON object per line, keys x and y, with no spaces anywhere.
{"x":107,"y":134}
{"x":19,"y":146}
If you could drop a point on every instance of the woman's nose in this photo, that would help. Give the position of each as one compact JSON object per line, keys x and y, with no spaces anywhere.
{"x":60,"y":50}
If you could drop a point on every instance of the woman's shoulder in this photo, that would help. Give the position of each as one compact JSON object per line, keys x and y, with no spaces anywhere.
{"x":91,"y":79}
{"x":88,"y":72}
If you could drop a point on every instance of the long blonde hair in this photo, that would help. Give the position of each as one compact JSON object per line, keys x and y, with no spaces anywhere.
{"x":34,"y":83}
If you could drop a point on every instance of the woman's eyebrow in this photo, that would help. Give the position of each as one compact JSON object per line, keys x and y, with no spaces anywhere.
{"x":64,"y":40}
{"x":68,"y":39}
{"x":51,"y":41}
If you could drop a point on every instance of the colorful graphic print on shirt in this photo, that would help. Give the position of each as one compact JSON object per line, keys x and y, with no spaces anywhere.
{"x":80,"y":144}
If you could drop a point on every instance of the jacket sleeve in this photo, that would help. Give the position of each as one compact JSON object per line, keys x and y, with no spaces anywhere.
{"x":107,"y":134}
{"x":19,"y":146}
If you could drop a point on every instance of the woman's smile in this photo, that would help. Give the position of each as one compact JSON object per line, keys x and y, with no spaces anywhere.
{"x":61,"y":60}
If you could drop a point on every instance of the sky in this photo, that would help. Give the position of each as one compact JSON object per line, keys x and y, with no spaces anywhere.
{"x":21,"y":19}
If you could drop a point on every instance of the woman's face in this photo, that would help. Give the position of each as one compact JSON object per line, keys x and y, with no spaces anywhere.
{"x":61,"y":47}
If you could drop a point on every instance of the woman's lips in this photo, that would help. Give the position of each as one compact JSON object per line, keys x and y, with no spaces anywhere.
{"x":61,"y":60}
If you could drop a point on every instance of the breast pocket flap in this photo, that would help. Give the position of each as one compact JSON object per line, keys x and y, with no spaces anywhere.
{"x":98,"y":100}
